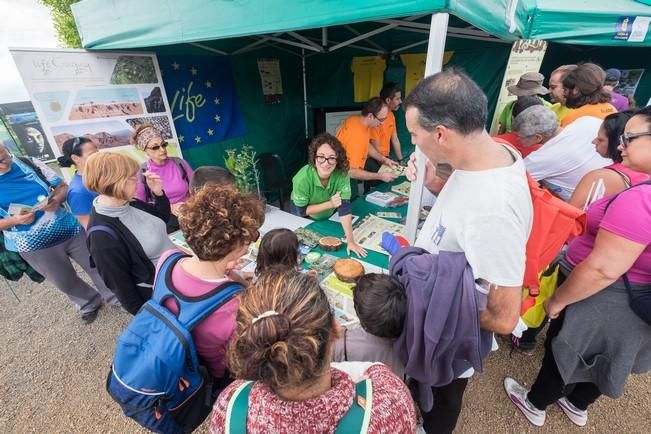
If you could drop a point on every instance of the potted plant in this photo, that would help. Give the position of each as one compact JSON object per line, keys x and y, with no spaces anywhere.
{"x":243,"y":164}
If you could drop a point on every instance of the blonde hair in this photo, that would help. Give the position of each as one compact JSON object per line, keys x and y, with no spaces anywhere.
{"x":107,"y":173}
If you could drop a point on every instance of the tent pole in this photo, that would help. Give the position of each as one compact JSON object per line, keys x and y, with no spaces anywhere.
{"x":433,"y":64}
{"x":304,"y":90}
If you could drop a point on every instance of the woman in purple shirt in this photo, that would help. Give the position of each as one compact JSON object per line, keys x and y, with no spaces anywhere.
{"x":175,"y":172}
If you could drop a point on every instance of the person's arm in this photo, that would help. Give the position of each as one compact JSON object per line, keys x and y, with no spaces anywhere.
{"x":613,"y":183}
{"x":365,"y":175}
{"x":502,"y":310}
{"x":114,"y":266}
{"x":83,"y":220}
{"x":351,"y":245}
{"x":432,"y":181}
{"x":10,"y":222}
{"x":397,"y":149}
{"x":377,"y":155}
{"x":611,"y":257}
{"x":310,"y":210}
{"x":60,"y":194}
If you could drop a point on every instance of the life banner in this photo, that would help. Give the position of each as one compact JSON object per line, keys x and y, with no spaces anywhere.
{"x":202,"y":98}
{"x":100,"y":95}
{"x":526,"y":56}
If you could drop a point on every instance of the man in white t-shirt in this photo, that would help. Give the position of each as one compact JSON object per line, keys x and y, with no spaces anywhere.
{"x":484,"y":210}
{"x":567,"y":153}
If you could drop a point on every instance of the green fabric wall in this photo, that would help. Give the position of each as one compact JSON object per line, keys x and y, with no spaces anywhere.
{"x":280,"y":127}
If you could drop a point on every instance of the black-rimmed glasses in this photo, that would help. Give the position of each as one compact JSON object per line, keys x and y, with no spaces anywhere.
{"x":380,"y":120}
{"x":627,"y":138}
{"x":322,"y":159}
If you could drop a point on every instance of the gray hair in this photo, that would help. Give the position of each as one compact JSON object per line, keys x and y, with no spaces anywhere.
{"x":536,"y":119}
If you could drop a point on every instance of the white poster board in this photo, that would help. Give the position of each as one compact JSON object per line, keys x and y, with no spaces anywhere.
{"x":526,"y":56}
{"x":334,"y":119}
{"x":99,"y":95}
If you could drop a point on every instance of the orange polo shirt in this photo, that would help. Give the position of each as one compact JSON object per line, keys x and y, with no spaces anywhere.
{"x":383,"y":134}
{"x":356,"y":137}
{"x":599,"y":110}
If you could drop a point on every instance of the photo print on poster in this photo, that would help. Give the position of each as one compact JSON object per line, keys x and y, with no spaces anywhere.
{"x":134,"y":70}
{"x":21,"y":118}
{"x":107,"y":134}
{"x":105,"y":103}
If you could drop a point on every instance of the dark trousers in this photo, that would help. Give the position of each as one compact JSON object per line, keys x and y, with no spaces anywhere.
{"x":448,"y":399}
{"x":549,"y":386}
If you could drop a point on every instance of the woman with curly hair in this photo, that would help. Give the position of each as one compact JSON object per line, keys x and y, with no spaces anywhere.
{"x":218,"y":224}
{"x":323,"y":185}
{"x":280,"y":355}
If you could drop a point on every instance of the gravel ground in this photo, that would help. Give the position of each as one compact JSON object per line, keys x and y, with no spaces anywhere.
{"x":53,"y":368}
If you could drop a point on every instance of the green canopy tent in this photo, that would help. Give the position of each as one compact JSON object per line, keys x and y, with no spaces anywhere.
{"x":306,"y":27}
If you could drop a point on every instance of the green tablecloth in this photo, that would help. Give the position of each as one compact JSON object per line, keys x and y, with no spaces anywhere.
{"x":360,"y":208}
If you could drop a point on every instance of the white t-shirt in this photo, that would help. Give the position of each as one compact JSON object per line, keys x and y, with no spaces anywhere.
{"x":487,"y":215}
{"x":563,"y":160}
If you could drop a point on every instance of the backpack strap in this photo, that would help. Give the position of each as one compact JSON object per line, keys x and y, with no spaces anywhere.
{"x":625,"y":178}
{"x":358,"y":416}
{"x":192,"y":310}
{"x":102,"y":228}
{"x":612,"y":199}
{"x":37,"y":170}
{"x":184,"y":173}
{"x":356,"y":420}
{"x":238,"y":409}
{"x":148,"y":196}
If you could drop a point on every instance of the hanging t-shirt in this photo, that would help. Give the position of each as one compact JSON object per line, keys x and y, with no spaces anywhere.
{"x":79,"y":198}
{"x":415,"y":67}
{"x":487,"y":215}
{"x":383,"y":133}
{"x":356,"y":138}
{"x":563,"y":160}
{"x":20,"y":185}
{"x":368,"y":76}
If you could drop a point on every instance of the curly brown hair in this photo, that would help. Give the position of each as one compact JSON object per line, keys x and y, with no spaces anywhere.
{"x":334,"y":143}
{"x":289,"y":348}
{"x":217,"y":220}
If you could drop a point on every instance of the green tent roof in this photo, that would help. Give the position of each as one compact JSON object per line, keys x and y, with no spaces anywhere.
{"x":115,"y":24}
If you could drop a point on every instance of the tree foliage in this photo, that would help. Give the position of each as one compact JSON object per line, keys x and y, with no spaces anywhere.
{"x":64,"y":22}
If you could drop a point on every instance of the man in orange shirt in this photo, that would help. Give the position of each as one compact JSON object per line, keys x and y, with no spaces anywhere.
{"x":386,"y":134}
{"x":584,"y":92}
{"x":355,"y":134}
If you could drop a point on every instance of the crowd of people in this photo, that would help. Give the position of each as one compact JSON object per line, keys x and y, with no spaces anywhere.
{"x":279,"y":359}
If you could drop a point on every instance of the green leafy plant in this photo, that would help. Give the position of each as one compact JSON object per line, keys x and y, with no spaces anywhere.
{"x":243,"y":164}
{"x":64,"y":22}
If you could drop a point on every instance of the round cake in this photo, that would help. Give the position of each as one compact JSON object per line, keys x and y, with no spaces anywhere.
{"x":348,"y":270}
{"x":330,"y":244}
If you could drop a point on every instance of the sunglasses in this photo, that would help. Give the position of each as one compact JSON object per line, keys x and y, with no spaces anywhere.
{"x":626,"y":139}
{"x":157,"y":147}
{"x":380,"y":120}
{"x":322,"y":159}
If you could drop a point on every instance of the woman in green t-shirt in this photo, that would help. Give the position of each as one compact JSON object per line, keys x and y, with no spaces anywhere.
{"x":323,"y":185}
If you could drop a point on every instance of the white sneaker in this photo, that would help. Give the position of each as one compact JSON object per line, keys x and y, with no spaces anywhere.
{"x":578,"y":417}
{"x":518,"y":396}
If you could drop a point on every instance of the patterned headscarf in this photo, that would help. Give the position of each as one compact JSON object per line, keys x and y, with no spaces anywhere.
{"x":145,"y":135}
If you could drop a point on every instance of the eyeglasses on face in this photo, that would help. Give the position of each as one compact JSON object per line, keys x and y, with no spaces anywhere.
{"x":626,"y":138}
{"x":157,"y":147}
{"x":380,"y":120}
{"x":322,"y":159}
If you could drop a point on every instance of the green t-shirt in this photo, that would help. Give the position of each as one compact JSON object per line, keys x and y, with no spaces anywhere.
{"x":308,"y":190}
{"x":506,"y":117}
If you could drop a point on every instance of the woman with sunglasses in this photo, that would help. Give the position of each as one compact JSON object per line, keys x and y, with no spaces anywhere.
{"x":600,"y":331}
{"x":126,"y":237}
{"x":323,"y":186}
{"x":75,"y":152}
{"x":615,"y":177}
{"x":175,"y":172}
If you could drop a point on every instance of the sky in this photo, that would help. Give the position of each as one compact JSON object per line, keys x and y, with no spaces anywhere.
{"x":25,"y":23}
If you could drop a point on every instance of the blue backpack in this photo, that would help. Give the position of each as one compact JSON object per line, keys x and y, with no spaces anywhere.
{"x":156,"y":376}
